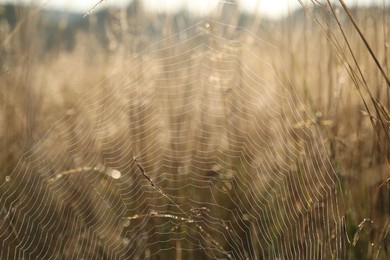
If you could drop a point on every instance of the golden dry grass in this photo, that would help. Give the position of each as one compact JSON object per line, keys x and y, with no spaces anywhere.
{"x":226,"y":110}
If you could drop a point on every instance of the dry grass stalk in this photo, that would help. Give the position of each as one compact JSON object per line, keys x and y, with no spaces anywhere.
{"x":93,"y":7}
{"x":188,"y":219}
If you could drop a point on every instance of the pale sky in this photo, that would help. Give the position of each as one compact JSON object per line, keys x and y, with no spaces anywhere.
{"x":272,"y":8}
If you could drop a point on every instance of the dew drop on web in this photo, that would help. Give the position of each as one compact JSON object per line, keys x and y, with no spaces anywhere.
{"x":126,"y":241}
{"x":115,"y":174}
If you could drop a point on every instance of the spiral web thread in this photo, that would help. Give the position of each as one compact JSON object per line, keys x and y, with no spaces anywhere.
{"x":195,"y":150}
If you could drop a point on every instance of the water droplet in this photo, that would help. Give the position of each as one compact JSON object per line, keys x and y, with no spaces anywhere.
{"x":7,"y":178}
{"x":126,"y":241}
{"x":115,"y":174}
{"x":207,"y":25}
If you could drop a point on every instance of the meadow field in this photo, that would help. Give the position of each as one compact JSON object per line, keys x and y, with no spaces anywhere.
{"x":128,"y":134}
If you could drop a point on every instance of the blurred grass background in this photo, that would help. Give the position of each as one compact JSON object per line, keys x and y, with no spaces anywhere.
{"x":49,"y":60}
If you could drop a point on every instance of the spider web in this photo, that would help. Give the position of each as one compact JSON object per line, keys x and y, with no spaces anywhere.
{"x":196,"y":149}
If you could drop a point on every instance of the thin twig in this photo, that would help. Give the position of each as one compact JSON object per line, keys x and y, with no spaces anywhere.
{"x":382,"y":242}
{"x":93,"y":8}
{"x":189,"y":219}
{"x":154,"y":214}
{"x":159,"y":190}
{"x":384,"y":183}
{"x":360,"y":226}
{"x":160,"y":215}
